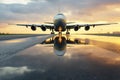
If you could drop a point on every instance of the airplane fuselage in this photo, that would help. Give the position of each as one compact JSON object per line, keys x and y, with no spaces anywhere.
{"x":59,"y":23}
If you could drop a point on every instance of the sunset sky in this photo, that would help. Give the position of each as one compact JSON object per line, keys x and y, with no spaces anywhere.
{"x":40,"y":11}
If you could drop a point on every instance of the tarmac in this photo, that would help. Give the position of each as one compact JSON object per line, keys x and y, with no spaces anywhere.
{"x":27,"y":59}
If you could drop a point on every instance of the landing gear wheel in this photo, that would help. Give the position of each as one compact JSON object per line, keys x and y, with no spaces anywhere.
{"x":52,"y":33}
{"x":67,"y":32}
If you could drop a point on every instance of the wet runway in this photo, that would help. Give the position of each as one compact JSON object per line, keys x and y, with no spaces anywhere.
{"x":92,"y":61}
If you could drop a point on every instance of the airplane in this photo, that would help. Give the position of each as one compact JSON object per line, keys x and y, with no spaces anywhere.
{"x":60,"y":43}
{"x":60,"y":25}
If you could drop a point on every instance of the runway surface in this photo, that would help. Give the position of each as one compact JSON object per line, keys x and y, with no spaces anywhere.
{"x":93,"y":61}
{"x":10,"y":47}
{"x":8,"y":37}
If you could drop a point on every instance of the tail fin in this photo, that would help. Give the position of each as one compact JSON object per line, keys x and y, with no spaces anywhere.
{"x":59,"y":10}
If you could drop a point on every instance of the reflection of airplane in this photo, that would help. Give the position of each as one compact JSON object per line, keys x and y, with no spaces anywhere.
{"x":60,"y":43}
{"x":59,"y":24}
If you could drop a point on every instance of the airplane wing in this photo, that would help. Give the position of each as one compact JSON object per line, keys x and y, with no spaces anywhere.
{"x":87,"y":26}
{"x":33,"y":26}
{"x":48,"y":26}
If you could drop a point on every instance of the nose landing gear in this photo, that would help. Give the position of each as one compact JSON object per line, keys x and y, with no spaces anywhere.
{"x":67,"y":32}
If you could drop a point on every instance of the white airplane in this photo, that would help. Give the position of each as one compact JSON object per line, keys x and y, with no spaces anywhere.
{"x":60,"y":25}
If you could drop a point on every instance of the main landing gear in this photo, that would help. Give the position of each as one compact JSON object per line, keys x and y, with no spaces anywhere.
{"x":67,"y":32}
{"x":52,"y":32}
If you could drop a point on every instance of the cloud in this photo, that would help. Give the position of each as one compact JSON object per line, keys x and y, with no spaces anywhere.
{"x":44,"y":10}
{"x":40,"y":11}
{"x":9,"y":72}
{"x":14,"y":1}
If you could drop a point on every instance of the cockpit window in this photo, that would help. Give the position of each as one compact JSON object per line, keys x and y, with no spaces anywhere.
{"x":60,"y":14}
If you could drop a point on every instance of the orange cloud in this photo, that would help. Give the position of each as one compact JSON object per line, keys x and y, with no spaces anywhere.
{"x":81,"y":11}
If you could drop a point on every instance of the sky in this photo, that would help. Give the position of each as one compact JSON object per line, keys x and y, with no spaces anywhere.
{"x":40,"y":11}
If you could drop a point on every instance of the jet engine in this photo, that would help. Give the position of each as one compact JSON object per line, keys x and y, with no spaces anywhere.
{"x":87,"y":28}
{"x":76,"y":28}
{"x":43,"y":28}
{"x":33,"y":28}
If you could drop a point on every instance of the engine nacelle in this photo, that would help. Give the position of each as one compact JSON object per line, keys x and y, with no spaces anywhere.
{"x":87,"y":28}
{"x":76,"y":28}
{"x":43,"y":28}
{"x":33,"y":28}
